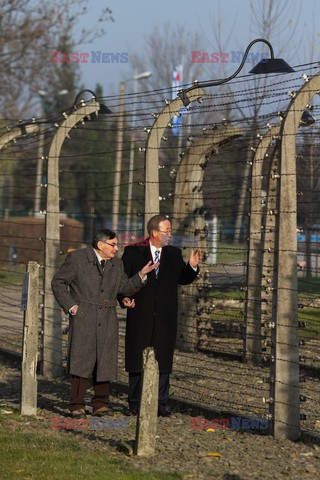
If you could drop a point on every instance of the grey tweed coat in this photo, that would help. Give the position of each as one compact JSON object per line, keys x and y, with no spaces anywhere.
{"x":93,"y":334}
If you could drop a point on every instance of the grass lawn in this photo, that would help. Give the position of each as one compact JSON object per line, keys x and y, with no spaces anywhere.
{"x":231,"y":253}
{"x":235,"y":295}
{"x":32,"y":455}
{"x":228,"y":315}
{"x":311,"y":317}
{"x":309,"y":289}
{"x":309,"y":286}
{"x":12,"y":277}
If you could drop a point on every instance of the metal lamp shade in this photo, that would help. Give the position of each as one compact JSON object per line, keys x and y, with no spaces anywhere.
{"x":272,"y":65}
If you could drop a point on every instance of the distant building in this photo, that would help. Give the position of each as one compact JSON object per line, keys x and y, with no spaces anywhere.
{"x":22,"y":239}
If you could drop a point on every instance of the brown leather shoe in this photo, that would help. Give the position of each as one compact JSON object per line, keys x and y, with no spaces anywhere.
{"x":80,"y":413}
{"x":102,"y":411}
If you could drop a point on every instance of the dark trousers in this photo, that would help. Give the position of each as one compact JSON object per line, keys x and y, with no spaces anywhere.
{"x":79,"y":387}
{"x":135,"y":385}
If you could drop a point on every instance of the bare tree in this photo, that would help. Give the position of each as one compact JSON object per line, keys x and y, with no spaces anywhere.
{"x":274,"y":21}
{"x":30,"y":31}
{"x":167,"y":47}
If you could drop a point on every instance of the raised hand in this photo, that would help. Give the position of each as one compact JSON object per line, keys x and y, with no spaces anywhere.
{"x":195,"y":258}
{"x":148,"y":268}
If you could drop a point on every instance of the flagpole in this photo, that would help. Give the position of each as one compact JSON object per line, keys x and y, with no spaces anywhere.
{"x":177,"y":120}
{"x":180,"y":129}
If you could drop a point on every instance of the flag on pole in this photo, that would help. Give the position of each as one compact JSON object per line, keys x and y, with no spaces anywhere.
{"x":176,"y":84}
{"x":176,"y":80}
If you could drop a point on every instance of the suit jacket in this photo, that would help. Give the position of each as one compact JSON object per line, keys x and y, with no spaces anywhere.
{"x":93,"y":334}
{"x":153,"y":321}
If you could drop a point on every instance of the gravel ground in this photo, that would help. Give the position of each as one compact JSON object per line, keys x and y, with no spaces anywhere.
{"x":231,"y":386}
{"x":179,"y":447}
{"x":224,"y":385}
{"x":216,"y":382}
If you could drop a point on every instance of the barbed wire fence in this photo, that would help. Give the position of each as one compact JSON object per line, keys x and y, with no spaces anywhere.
{"x":229,"y":349}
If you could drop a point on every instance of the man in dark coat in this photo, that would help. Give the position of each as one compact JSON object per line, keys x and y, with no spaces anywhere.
{"x":86,"y":286}
{"x":152,"y":315}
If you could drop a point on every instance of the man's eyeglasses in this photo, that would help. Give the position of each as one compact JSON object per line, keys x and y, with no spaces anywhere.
{"x":113,"y":245}
{"x":164,"y":231}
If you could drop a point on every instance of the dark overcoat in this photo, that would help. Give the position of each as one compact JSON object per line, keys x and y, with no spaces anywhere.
{"x":93,"y":334}
{"x":153,"y":320}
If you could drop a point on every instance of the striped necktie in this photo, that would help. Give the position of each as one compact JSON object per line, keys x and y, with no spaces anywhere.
{"x":156,"y":260}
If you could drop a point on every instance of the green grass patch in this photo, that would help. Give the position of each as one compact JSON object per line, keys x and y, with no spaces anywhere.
{"x":228,"y":315}
{"x":311,"y":317}
{"x":231,"y":253}
{"x":27,"y":455}
{"x":11,"y":277}
{"x":309,"y":286}
{"x":15,"y":277}
{"x":232,"y":295}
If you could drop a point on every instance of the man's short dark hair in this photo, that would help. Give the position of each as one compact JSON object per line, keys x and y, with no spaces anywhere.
{"x":153,"y":223}
{"x":101,"y":236}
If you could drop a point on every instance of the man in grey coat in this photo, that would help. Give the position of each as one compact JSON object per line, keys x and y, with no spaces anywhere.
{"x":86,"y":287}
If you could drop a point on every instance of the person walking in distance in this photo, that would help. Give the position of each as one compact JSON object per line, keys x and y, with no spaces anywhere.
{"x":152,"y":315}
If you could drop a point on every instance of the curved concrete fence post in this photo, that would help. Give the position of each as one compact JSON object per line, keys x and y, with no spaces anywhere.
{"x":152,"y":153}
{"x":18,"y":131}
{"x":286,"y":398}
{"x":252,"y":345}
{"x":52,"y":335}
{"x":190,"y":230}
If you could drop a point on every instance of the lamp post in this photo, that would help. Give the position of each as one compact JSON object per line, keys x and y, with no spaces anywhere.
{"x":117,"y":175}
{"x":265,"y":66}
{"x":37,"y":195}
{"x":185,"y":97}
{"x":117,"y":178}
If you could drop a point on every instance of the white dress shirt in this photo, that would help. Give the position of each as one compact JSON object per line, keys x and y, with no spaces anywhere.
{"x":98,"y":256}
{"x":153,"y":254}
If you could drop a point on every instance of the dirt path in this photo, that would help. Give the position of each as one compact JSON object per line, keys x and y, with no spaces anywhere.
{"x":244,"y":456}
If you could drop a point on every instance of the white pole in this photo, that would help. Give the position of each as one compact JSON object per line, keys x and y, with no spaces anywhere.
{"x":131,"y":164}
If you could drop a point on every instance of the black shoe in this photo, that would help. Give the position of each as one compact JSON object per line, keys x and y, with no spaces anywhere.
{"x":133,"y":411}
{"x":164,"y":412}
